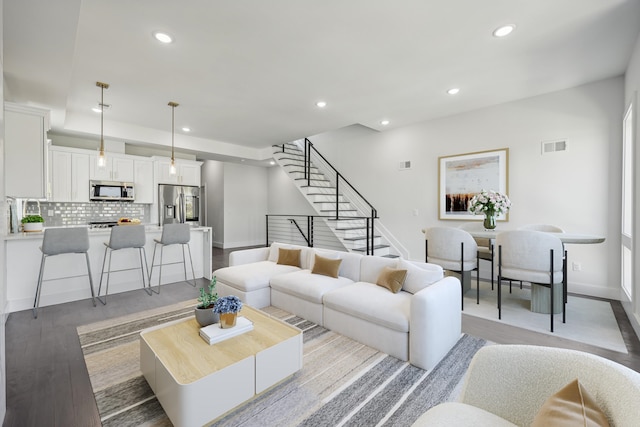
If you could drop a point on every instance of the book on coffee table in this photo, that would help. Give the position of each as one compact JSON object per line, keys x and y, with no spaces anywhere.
{"x":214,"y":333}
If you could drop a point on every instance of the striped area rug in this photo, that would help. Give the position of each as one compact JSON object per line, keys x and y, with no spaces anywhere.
{"x":342,"y":383}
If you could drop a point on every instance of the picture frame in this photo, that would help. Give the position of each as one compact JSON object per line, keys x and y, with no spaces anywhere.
{"x":462,"y":176}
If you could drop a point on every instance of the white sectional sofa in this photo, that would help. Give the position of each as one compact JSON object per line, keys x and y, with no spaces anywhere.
{"x":420,"y":323}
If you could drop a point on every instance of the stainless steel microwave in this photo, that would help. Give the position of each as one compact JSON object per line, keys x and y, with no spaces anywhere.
{"x":111,"y":191}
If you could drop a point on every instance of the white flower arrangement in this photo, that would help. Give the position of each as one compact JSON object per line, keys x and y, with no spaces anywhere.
{"x":489,"y":203}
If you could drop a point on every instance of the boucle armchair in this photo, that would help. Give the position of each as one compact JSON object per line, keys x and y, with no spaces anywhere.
{"x":506,"y":385}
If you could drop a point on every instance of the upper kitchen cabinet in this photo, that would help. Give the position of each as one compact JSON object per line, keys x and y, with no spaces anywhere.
{"x":69,"y":175}
{"x":143,"y":181}
{"x":25,"y":159}
{"x":116,"y":169}
{"x":187,"y":172}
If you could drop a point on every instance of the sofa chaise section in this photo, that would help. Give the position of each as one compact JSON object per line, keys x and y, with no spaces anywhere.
{"x":251,"y":270}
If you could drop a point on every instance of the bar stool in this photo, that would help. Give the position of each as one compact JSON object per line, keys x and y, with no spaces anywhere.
{"x":58,"y":241}
{"x":124,"y":237}
{"x":173,"y":234}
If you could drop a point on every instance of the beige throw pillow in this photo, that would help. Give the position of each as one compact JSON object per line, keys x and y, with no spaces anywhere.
{"x":326,"y":266}
{"x":571,"y":406}
{"x":289,"y":257}
{"x":392,"y":279}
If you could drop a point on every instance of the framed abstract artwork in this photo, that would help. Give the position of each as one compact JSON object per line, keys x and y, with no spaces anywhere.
{"x":462,"y":176}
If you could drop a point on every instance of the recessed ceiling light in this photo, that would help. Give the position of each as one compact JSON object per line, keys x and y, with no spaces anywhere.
{"x":321,"y":104}
{"x":503,"y":31}
{"x":272,"y":163}
{"x":186,"y":129}
{"x":162,"y":37}
{"x":453,"y":91}
{"x":384,"y":122}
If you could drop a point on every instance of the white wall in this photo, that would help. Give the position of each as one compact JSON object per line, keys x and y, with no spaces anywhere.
{"x":245,"y":205}
{"x":632,"y":86}
{"x":213,"y":179}
{"x":578,"y":190}
{"x":284,"y":196}
{"x":3,"y":231}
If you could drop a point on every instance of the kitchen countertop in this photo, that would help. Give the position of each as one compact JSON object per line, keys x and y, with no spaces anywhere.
{"x":33,"y":235}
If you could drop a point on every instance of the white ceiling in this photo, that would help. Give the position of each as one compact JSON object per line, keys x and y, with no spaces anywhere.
{"x":247,"y":73}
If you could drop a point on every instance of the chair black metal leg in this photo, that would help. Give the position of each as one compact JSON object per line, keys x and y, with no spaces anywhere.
{"x":36,"y":301}
{"x":499,"y":283}
{"x":477,"y":279}
{"x":551,"y":280}
{"x":93,"y":294}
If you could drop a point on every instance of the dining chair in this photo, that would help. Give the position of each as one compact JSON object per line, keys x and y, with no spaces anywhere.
{"x":173,"y":234}
{"x":538,"y":258}
{"x":455,"y":250}
{"x":485,"y":246}
{"x":124,"y":237}
{"x":59,"y":241}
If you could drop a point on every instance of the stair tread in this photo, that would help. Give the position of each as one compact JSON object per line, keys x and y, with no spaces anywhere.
{"x":353,"y":239}
{"x":339,"y":210}
{"x":351,"y":228}
{"x":312,"y":179}
{"x":363,"y":249}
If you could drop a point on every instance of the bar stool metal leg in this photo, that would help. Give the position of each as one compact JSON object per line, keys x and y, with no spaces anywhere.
{"x":141,"y":251}
{"x":106,"y":249}
{"x":193,"y":272}
{"x":93,"y":294}
{"x":36,"y":302}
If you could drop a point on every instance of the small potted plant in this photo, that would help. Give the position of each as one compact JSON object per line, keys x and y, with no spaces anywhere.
{"x":32,"y":223}
{"x":205,"y":315}
{"x":228,"y":308}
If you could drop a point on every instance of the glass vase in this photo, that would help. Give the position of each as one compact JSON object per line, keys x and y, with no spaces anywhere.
{"x":228,"y":320}
{"x":489,"y":221}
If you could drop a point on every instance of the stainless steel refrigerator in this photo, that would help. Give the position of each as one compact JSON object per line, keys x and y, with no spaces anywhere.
{"x":179,"y":204}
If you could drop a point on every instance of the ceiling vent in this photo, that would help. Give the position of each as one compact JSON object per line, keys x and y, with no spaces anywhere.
{"x":553,"y":146}
{"x":404,"y":165}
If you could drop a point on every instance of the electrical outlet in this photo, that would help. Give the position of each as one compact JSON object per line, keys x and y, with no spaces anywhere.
{"x":576,"y":266}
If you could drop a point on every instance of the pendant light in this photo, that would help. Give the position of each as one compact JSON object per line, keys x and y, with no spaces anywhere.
{"x":102,"y":161}
{"x":172,"y":168}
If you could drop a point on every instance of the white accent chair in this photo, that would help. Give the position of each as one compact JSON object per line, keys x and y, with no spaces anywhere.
{"x":535,"y":257}
{"x":485,"y":246}
{"x":455,"y":250}
{"x":507,"y":384}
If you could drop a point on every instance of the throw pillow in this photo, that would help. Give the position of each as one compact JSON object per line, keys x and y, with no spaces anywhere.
{"x":289,"y":257}
{"x":392,"y":279}
{"x":419,"y":278}
{"x":571,"y":406}
{"x":326,"y":266}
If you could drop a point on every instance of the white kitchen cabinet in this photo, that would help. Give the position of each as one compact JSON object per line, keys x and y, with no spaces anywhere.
{"x":25,"y":155}
{"x":143,"y":181}
{"x":69,"y":176}
{"x":187,"y":172}
{"x":116,"y":169}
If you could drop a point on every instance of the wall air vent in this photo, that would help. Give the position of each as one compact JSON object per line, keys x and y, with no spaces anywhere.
{"x":404,"y":165}
{"x":553,"y":146}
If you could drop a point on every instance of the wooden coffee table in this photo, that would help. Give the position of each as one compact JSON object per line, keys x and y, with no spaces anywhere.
{"x":196,"y":382}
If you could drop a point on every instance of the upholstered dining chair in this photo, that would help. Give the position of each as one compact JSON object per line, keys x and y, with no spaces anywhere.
{"x":455,"y":250}
{"x":542,"y":227}
{"x":485,"y":246}
{"x":535,"y":257}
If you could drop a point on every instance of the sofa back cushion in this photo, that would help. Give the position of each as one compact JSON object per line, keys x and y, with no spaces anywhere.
{"x":419,"y":275}
{"x":274,"y":253}
{"x":349,"y":267}
{"x":371,"y":266}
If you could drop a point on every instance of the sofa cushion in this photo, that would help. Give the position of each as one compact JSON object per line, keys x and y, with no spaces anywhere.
{"x":570,"y":406}
{"x":450,"y":414}
{"x":419,"y":275}
{"x":349,"y":267}
{"x":391,"y":278}
{"x":305,"y":285}
{"x":289,"y":257}
{"x":326,"y":266}
{"x":252,"y":276}
{"x":372,"y":303}
{"x":371,"y":267}
{"x":274,"y":253}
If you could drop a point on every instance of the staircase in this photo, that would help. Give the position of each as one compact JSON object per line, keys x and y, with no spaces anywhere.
{"x":349,"y":216}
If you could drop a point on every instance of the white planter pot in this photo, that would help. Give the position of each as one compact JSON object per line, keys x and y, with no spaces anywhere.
{"x":32,"y":226}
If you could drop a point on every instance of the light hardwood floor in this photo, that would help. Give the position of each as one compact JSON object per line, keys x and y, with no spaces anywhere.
{"x":47,"y":380}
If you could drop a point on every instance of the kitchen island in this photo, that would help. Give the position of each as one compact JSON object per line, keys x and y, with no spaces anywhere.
{"x":69,"y":270}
